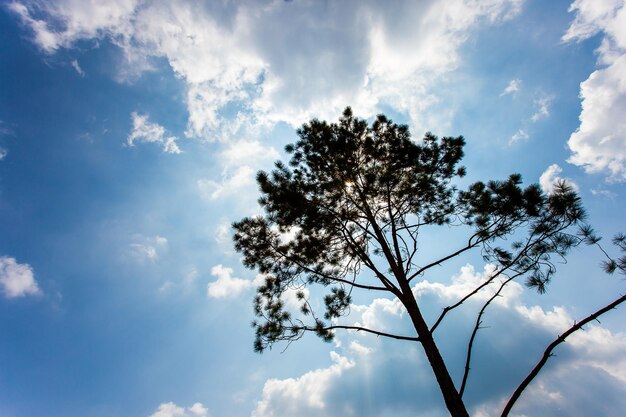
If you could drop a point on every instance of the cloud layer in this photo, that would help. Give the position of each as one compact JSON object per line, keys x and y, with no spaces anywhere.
{"x":370,"y":376}
{"x":254,"y":64}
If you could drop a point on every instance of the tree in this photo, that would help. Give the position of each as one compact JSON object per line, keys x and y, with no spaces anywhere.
{"x":347,"y":214}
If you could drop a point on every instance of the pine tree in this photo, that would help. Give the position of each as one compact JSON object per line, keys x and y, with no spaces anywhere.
{"x":347,"y":213}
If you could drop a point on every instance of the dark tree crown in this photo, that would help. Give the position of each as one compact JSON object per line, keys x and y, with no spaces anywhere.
{"x":353,"y":193}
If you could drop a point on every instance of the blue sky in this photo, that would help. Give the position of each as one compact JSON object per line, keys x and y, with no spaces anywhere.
{"x":130,"y":134}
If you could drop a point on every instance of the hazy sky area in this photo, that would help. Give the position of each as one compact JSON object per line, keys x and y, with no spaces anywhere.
{"x":130,"y":135}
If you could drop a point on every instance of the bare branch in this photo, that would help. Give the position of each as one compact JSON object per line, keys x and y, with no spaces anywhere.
{"x":548,"y":352}
{"x":363,"y":329}
{"x":470,"y":344}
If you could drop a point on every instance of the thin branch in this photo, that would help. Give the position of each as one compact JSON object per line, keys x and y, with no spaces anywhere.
{"x":521,"y":253}
{"x":467,"y":296}
{"x":548,"y":352}
{"x":364,"y":329}
{"x":470,"y":245}
{"x":470,"y":344}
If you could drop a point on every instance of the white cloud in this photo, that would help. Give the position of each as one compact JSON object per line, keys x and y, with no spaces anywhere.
{"x":172,"y":410}
{"x":292,"y":396}
{"x":542,"y":107}
{"x":184,"y":285}
{"x":227,"y":286}
{"x":3,"y":153}
{"x":240,"y":161}
{"x":77,"y":67}
{"x":222,"y":234}
{"x":17,"y":280}
{"x":67,"y":21}
{"x":148,"y":132}
{"x":513,"y":87}
{"x":550,"y":177}
{"x":231,"y":184}
{"x":148,"y":248}
{"x":596,"y":16}
{"x":248,"y":64}
{"x":519,"y":136}
{"x":603,"y":193}
{"x":247,"y":152}
{"x":199,"y":410}
{"x":400,"y":375}
{"x":599,"y":143}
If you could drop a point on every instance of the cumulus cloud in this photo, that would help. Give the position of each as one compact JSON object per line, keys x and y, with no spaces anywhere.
{"x":512,"y":88}
{"x":550,"y":178}
{"x":399,"y":374}
{"x":172,"y":410}
{"x":148,"y":248}
{"x":290,"y":397}
{"x":227,"y":286}
{"x":17,"y":280}
{"x":249,"y":64}
{"x":145,"y":131}
{"x":599,"y":143}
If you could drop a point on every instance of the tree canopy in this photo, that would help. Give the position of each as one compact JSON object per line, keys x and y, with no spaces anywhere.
{"x":347,"y":212}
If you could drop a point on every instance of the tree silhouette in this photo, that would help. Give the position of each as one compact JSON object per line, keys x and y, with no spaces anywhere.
{"x":347,"y":213}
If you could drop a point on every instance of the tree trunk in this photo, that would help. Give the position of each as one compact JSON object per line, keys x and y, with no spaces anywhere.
{"x":451,"y":396}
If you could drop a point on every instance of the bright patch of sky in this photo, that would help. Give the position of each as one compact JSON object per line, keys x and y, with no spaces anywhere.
{"x":130,"y":135}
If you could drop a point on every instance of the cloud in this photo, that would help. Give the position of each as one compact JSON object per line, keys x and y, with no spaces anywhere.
{"x":550,"y":178}
{"x":17,"y":280}
{"x":513,"y":87}
{"x":148,"y":132}
{"x":64,"y":22}
{"x":227,"y":286}
{"x":599,"y":143}
{"x":247,"y":152}
{"x":148,"y":248}
{"x":542,"y":107}
{"x":230,"y":184}
{"x":252,"y":64}
{"x":292,"y":396}
{"x":519,"y":136}
{"x":172,"y":410}
{"x":77,"y":67}
{"x":3,"y":153}
{"x":379,"y":377}
{"x":222,"y":234}
{"x":604,"y":193}
{"x":240,"y":161}
{"x":183,"y":285}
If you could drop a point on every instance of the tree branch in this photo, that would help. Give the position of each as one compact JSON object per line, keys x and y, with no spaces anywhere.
{"x":470,"y":344}
{"x":548,"y":352}
{"x":363,"y":329}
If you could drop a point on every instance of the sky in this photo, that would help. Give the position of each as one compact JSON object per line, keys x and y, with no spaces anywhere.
{"x":130,"y":135}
